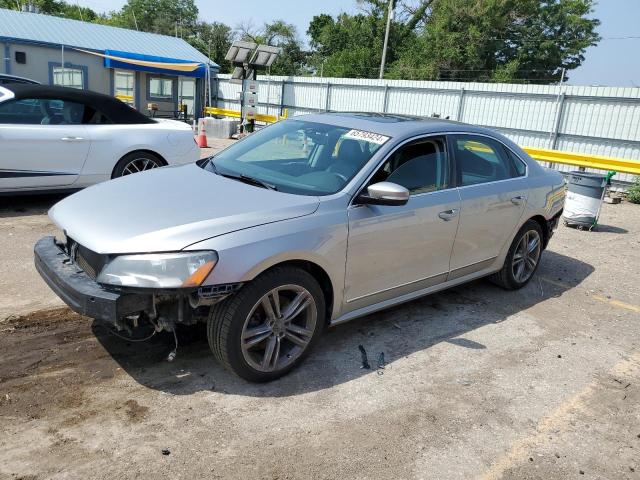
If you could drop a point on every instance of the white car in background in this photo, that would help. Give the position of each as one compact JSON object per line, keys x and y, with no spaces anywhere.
{"x":56,"y":138}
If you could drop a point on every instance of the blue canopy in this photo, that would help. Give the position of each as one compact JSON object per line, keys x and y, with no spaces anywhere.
{"x":149,"y":63}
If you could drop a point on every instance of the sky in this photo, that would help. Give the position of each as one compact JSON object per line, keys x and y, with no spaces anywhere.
{"x":612,"y":62}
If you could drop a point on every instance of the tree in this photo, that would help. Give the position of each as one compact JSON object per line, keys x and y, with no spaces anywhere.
{"x":501,"y":40}
{"x":472,"y":40}
{"x":348,"y":46}
{"x":292,"y":60}
{"x":54,"y":7}
{"x":167,"y":17}
{"x":214,"y":40}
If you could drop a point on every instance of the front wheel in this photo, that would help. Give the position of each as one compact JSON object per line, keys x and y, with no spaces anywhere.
{"x":269,"y":326}
{"x":522,"y":259}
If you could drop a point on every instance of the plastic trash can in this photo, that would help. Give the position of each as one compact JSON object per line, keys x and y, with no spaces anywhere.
{"x":584,"y":199}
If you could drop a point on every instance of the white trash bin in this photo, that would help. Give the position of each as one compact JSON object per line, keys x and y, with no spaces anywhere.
{"x":584,"y":199}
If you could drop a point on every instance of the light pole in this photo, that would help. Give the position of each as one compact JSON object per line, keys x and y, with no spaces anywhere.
{"x":392,"y":4}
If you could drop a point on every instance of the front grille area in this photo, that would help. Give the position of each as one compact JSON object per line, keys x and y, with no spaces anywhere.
{"x":90,"y":262}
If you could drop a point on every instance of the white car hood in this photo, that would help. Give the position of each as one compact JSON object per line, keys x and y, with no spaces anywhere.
{"x":170,"y":208}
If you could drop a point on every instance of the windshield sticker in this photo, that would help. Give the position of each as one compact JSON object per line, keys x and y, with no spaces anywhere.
{"x":366,"y":136}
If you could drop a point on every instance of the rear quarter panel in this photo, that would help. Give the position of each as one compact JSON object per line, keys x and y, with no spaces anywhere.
{"x":109,"y":143}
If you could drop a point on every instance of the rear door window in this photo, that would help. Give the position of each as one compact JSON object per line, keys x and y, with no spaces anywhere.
{"x":482,"y":160}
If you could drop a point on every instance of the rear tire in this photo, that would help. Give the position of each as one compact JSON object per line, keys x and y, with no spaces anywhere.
{"x":135,"y":162}
{"x":523,"y":258}
{"x":268,"y":327}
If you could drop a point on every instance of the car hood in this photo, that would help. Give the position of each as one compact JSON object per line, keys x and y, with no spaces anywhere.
{"x":170,"y":208}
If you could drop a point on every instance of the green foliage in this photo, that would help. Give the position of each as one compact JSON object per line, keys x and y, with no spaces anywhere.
{"x":59,"y":8}
{"x":633,"y":194}
{"x":466,"y":40}
{"x":293,"y":59}
{"x":527,"y":41}
{"x":214,"y":40}
{"x":167,"y":17}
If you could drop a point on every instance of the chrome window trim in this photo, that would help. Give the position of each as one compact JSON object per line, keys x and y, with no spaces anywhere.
{"x":360,"y":188}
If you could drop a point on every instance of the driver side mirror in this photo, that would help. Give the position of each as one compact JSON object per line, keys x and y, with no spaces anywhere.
{"x":384,"y":193}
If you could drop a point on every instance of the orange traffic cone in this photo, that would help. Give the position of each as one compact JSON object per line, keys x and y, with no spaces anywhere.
{"x":201,"y":139}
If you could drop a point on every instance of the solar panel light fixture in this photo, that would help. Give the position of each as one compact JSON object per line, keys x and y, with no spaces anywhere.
{"x":240,"y":52}
{"x":265,"y":55}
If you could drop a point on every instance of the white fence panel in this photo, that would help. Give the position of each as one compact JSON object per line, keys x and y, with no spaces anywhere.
{"x":597,"y":120}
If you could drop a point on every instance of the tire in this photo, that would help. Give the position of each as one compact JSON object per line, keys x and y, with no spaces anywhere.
{"x":140,"y":161}
{"x":511,"y":276}
{"x":245,"y":327}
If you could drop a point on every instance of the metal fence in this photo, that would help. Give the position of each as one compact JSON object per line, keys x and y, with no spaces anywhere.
{"x":592,"y":120}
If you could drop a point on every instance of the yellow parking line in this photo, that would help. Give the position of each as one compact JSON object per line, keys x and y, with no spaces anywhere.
{"x":555,"y":421}
{"x":556,"y":283}
{"x":617,"y":303}
{"x":613,"y":303}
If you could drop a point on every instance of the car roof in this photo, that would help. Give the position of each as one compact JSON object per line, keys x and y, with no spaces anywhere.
{"x":15,"y":79}
{"x":394,"y":125}
{"x":117,"y":111}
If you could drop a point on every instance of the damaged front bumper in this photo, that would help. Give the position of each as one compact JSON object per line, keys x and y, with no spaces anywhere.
{"x":79,"y":291}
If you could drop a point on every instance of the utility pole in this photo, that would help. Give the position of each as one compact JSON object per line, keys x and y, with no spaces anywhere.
{"x":135,"y":21}
{"x":79,"y":11}
{"x":392,"y":4}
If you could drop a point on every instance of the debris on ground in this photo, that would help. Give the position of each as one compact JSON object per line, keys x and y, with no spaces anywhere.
{"x":365,"y":360}
{"x":166,"y":451}
{"x":381,"y":362}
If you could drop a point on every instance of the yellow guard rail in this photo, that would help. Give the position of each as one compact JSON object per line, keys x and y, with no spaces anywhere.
{"x":223,"y":112}
{"x":620,"y":165}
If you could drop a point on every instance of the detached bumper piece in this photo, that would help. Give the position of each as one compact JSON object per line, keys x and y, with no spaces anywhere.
{"x":79,"y":291}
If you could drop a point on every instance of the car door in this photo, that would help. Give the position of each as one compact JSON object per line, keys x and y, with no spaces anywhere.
{"x":493,"y":191}
{"x":394,"y":250}
{"x":43,"y":143}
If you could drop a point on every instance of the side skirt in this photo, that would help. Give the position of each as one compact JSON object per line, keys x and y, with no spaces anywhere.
{"x":361,"y":312}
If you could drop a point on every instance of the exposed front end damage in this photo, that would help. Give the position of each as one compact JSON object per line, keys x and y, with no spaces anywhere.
{"x":71,"y":275}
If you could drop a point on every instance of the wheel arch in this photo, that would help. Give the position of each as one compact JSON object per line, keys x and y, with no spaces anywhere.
{"x":319,"y":273}
{"x":544,"y":226}
{"x":139,"y":150}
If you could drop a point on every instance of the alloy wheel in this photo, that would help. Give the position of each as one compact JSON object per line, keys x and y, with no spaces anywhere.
{"x":279,"y":328}
{"x":138,"y":165}
{"x":526,"y":256}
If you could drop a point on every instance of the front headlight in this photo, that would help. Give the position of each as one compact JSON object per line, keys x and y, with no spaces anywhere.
{"x":159,"y":270}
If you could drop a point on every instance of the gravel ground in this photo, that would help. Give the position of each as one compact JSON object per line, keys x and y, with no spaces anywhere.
{"x":542,"y":383}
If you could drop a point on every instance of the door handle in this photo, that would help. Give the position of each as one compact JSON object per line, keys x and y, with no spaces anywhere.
{"x":71,"y":139}
{"x":449,"y":214}
{"x":518,"y":200}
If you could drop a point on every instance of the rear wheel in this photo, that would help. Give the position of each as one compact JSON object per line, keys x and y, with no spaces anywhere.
{"x":522,"y":259}
{"x":135,"y":162}
{"x":269,"y":326}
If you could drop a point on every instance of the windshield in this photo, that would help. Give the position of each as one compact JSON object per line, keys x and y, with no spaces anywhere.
{"x":295,"y":156}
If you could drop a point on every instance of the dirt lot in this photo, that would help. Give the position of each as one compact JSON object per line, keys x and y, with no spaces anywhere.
{"x":543,"y":383}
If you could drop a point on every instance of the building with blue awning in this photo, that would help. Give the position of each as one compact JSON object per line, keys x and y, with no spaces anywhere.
{"x":142,"y":69}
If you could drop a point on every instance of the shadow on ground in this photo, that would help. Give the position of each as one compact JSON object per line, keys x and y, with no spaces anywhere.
{"x":609,"y":229}
{"x":398,"y":332}
{"x":25,"y":205}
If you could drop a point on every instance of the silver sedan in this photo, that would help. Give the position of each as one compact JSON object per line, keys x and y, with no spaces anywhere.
{"x":305,"y":224}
